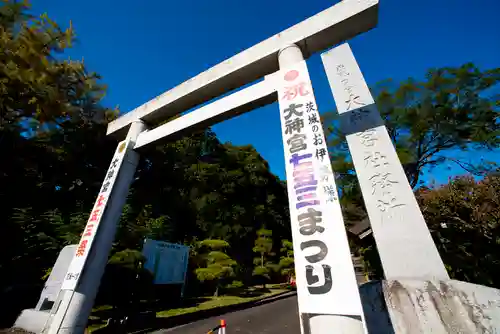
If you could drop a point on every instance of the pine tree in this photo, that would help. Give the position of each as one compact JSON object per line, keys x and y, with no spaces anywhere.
{"x":218,"y":265}
{"x":263,"y":247}
{"x":287,"y":262}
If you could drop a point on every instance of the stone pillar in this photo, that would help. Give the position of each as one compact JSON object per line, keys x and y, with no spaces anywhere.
{"x":403,"y":240}
{"x":327,"y":292}
{"x":72,"y":308}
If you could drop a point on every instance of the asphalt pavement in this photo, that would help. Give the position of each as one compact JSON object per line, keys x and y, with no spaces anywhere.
{"x":277,"y":317}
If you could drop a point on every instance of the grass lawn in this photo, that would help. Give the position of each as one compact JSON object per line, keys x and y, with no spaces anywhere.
{"x":214,"y":302}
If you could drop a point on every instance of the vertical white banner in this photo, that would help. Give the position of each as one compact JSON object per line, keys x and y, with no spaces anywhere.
{"x":83,"y":249}
{"x":403,"y":240}
{"x":326,"y":283}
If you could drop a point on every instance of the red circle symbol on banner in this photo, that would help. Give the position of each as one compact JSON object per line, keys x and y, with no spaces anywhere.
{"x":291,"y":75}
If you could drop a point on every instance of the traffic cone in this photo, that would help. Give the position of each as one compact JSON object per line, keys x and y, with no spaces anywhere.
{"x":222,"y":329}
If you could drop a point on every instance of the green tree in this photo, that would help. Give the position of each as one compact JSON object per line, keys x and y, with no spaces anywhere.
{"x":263,"y":247}
{"x":52,"y":128}
{"x":50,"y":108}
{"x":464,"y":219}
{"x":218,"y":265}
{"x":125,"y":279}
{"x":287,"y":262}
{"x":38,"y":91}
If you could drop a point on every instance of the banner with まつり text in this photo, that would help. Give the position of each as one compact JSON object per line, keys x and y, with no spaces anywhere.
{"x":326,"y":283}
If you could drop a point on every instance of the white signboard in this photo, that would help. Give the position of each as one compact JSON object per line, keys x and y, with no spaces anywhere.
{"x":326,"y":283}
{"x":403,"y":240}
{"x":85,"y":244}
{"x":168,"y":262}
{"x":54,"y":282}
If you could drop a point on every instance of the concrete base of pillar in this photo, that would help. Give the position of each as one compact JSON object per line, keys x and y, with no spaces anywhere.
{"x":32,"y":320}
{"x":417,"y":306}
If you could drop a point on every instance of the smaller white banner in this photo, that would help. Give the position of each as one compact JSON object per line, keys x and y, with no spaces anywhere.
{"x":83,"y":249}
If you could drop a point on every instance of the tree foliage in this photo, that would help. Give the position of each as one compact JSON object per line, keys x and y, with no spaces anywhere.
{"x":218,"y":265}
{"x":125,"y":280}
{"x":464,"y":219}
{"x":287,"y":262}
{"x":37,"y":90}
{"x":264,"y":249}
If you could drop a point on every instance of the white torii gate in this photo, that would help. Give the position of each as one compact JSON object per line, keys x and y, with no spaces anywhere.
{"x":328,"y":296}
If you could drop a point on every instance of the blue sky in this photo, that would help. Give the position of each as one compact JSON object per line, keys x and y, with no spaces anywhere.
{"x":143,"y":48}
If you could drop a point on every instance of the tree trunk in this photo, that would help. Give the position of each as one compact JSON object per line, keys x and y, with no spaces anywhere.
{"x":262,"y":264}
{"x":216,"y":293}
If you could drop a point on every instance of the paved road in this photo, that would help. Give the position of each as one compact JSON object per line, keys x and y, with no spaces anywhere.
{"x":278,"y":317}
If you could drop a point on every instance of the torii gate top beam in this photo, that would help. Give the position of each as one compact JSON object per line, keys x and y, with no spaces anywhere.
{"x":338,"y":23}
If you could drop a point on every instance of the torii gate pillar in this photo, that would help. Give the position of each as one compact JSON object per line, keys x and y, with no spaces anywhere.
{"x":74,"y":303}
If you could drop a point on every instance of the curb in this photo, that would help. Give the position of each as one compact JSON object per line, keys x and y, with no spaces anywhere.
{"x":278,"y":296}
{"x":162,"y":323}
